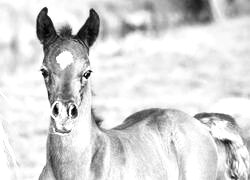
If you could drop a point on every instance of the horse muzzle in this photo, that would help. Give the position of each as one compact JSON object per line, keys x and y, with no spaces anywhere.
{"x":63,"y":115}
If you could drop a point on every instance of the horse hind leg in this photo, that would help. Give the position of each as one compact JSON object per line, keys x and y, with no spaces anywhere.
{"x":196,"y":152}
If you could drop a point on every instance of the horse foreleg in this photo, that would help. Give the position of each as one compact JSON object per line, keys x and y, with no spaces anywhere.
{"x":47,"y":173}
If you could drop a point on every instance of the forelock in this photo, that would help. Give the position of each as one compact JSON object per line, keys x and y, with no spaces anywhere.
{"x":65,"y":31}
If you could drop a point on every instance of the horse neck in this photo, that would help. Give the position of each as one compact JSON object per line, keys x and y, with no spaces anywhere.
{"x":75,"y":149}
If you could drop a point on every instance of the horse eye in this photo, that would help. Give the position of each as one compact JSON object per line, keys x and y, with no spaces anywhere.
{"x":87,"y":74}
{"x":45,"y":73}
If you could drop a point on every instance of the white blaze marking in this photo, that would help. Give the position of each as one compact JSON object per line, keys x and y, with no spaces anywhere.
{"x":64,"y":59}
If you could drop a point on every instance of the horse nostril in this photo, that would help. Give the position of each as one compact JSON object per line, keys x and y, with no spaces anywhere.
{"x":72,"y":111}
{"x":55,"y":109}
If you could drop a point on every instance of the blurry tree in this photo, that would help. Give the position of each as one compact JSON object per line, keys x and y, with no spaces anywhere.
{"x":19,"y":46}
{"x":198,"y":10}
{"x":223,"y":9}
{"x":151,"y":16}
{"x":8,"y":35}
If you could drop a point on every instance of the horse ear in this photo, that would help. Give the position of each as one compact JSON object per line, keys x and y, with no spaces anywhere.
{"x":44,"y":27}
{"x":90,"y":30}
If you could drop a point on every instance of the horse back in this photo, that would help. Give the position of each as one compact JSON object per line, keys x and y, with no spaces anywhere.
{"x":180,"y":138}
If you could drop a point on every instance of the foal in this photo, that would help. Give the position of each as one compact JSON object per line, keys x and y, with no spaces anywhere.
{"x":153,"y":144}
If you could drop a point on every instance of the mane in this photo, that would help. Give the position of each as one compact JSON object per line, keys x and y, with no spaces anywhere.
{"x":65,"y":31}
{"x":95,"y":117}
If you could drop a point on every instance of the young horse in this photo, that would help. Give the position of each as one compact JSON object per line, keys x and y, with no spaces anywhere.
{"x":150,"y":144}
{"x":233,"y":154}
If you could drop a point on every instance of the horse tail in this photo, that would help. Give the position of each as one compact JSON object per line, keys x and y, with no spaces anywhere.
{"x":225,"y":132}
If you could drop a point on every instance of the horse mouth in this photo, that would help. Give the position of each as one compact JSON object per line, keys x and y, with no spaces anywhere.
{"x":61,"y":131}
{"x":58,"y":128}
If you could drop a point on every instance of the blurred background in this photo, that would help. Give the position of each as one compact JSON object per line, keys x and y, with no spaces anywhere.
{"x":193,"y":55}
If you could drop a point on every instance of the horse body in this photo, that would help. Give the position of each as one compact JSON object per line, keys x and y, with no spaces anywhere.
{"x":171,"y":141}
{"x":153,"y":144}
